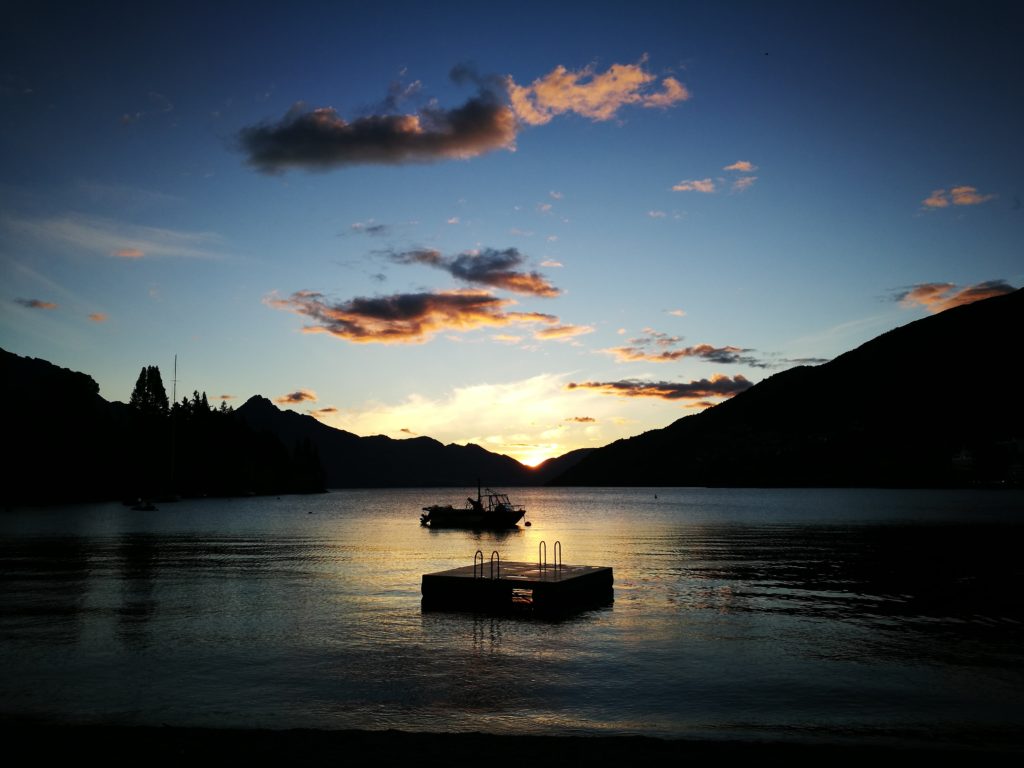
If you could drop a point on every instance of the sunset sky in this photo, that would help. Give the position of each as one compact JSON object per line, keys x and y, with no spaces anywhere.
{"x":536,"y":227}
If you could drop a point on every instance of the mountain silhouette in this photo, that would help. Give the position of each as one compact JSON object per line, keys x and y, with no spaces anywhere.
{"x":350,"y":461}
{"x":933,"y":403}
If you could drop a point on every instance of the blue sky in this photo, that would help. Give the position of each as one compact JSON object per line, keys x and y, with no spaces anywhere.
{"x":608,"y":218}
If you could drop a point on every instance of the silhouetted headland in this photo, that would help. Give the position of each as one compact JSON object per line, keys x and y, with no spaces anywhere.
{"x":897,"y":411}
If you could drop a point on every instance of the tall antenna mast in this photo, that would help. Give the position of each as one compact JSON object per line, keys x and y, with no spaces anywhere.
{"x":174,"y":382}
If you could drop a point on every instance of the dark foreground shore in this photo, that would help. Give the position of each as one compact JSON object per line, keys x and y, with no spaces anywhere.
{"x":183,"y":746}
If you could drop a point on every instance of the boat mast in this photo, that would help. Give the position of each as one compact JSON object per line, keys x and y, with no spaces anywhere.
{"x":174,"y":402}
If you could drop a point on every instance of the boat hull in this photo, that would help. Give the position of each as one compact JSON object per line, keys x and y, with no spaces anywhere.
{"x":450,"y":517}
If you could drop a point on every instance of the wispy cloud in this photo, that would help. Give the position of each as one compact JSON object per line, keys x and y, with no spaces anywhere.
{"x":99,"y":317}
{"x":936,"y":297}
{"x":490,"y":266}
{"x":656,"y":347}
{"x":716,"y":386}
{"x":328,"y":411}
{"x":706,"y":186}
{"x":113,"y":238}
{"x":298,"y":396}
{"x":962,"y":195}
{"x":320,"y":139}
{"x":677,"y":312}
{"x":582,"y":419}
{"x":555,"y":195}
{"x":370,"y":227}
{"x":743,"y":166}
{"x":562,"y":332}
{"x":551,"y":263}
{"x":657,"y":214}
{"x":36,"y":303}
{"x":506,"y":338}
{"x":743,"y":183}
{"x":406,"y":317}
{"x":589,"y":93}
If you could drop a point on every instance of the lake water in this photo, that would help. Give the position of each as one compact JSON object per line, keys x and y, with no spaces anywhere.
{"x":878,"y":616}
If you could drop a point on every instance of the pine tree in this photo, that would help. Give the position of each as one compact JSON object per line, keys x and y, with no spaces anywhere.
{"x":149,"y":395}
{"x":138,"y":398}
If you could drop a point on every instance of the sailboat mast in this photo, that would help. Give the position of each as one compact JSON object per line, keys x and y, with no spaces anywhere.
{"x":174,"y":428}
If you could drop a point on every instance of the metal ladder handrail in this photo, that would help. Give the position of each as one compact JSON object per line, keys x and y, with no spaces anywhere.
{"x":542,"y":561}
{"x":494,"y":554}
{"x":481,"y":554}
{"x":557,"y":555}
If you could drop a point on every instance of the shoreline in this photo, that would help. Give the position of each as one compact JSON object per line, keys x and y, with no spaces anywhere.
{"x":173,"y":744}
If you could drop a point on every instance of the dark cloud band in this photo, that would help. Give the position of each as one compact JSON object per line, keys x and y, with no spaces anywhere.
{"x":320,"y":139}
{"x":405,"y":317}
{"x":490,"y":267}
{"x":716,"y":386}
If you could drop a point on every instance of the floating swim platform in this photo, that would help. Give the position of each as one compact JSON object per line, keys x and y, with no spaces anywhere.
{"x":500,"y":585}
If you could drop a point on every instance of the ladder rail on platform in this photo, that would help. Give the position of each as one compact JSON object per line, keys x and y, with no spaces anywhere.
{"x":542,"y":560}
{"x":481,"y":555}
{"x":495,"y":554}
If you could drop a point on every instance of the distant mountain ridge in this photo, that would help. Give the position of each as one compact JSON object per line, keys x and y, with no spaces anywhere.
{"x":933,"y":403}
{"x":378,"y":461}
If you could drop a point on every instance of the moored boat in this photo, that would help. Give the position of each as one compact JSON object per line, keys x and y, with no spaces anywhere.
{"x":487,"y":510}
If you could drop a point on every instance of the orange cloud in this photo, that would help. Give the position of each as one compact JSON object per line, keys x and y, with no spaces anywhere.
{"x":298,"y":396}
{"x":962,"y":195}
{"x":560,"y":332}
{"x":507,"y":338}
{"x":324,"y":411}
{"x":744,"y":183}
{"x":36,"y":303}
{"x":406,"y":317}
{"x":129,"y":253}
{"x":695,"y":185}
{"x":743,"y":166}
{"x":582,"y":419}
{"x":936,"y":297}
{"x":968,"y":196}
{"x":98,"y":317}
{"x":716,"y":386}
{"x":226,"y":397}
{"x":597,"y":95}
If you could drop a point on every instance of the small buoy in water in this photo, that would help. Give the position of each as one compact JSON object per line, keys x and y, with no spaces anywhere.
{"x":528,"y":523}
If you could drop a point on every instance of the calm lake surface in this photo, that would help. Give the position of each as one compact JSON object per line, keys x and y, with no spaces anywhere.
{"x":880,"y":616}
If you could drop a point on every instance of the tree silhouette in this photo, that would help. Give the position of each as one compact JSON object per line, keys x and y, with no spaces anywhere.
{"x":149,"y":395}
